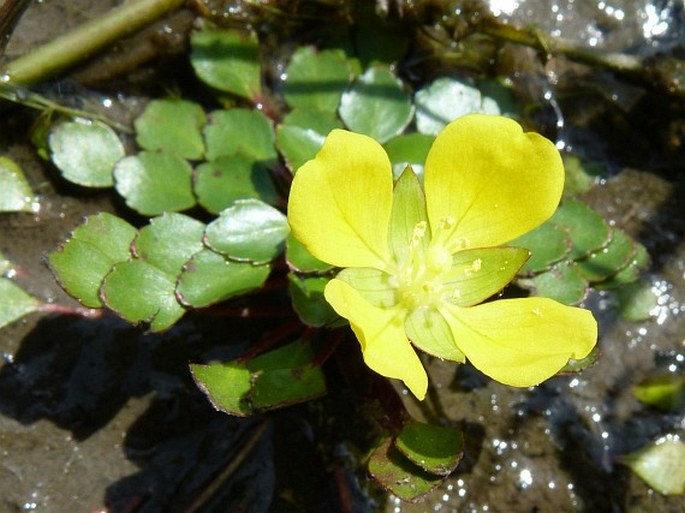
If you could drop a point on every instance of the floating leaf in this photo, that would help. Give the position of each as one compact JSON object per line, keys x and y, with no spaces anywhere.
{"x":85,"y":153}
{"x":220,"y":183}
{"x":666,"y":392}
{"x":275,"y":379}
{"x":302,"y":133}
{"x":248,"y":230}
{"x":631,"y":272}
{"x":227,"y":386}
{"x":169,"y":241}
{"x":316,"y":79}
{"x":588,"y":229}
{"x":408,"y":150}
{"x":376,"y":105}
{"x":140,"y":292}
{"x":579,"y":179}
{"x":547,"y":243}
{"x":574,"y":366}
{"x":240,"y":130}
{"x":209,"y":278}
{"x":82,"y":262}
{"x":446,"y":99}
{"x":435,"y":449}
{"x":562,"y":282}
{"x":636,"y":301}
{"x":155,"y":182}
{"x":14,"y":302}
{"x":172,"y":125}
{"x":601,"y":264}
{"x":16,"y":194}
{"x":301,"y":260}
{"x":661,"y":465}
{"x":306,"y":293}
{"x":398,"y":475}
{"x":227,"y":60}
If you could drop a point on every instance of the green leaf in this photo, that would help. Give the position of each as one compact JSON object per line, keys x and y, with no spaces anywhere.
{"x":446,"y":99}
{"x":249,"y":230}
{"x":408,"y":150}
{"x":220,"y":183}
{"x":661,"y":465}
{"x":316,"y":79}
{"x":435,"y":449}
{"x":16,"y":194}
{"x":227,"y":60}
{"x":588,"y":229}
{"x":398,"y":475}
{"x":376,"y":38}
{"x":5,"y":264}
{"x":548,"y":244}
{"x":240,"y":130}
{"x":580,"y":177}
{"x":302,"y":133}
{"x":575,"y":366}
{"x":306,"y":293}
{"x":666,"y":392}
{"x":209,"y":278}
{"x":631,"y":272}
{"x":601,"y":264}
{"x":172,"y":125}
{"x":169,"y":241}
{"x":82,"y":262}
{"x":85,"y":152}
{"x":227,"y":386}
{"x":155,"y":182}
{"x":376,"y":105}
{"x":140,"y":292}
{"x":272,"y":380}
{"x":301,"y":260}
{"x":14,"y":302}
{"x":636,"y":301}
{"x":563,"y":282}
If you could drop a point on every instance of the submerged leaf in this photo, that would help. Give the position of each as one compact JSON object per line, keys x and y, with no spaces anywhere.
{"x":14,"y":302}
{"x":661,"y":465}
{"x":666,"y":392}
{"x":435,"y":449}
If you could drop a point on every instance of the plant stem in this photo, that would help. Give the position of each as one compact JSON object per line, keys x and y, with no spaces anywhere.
{"x":81,"y":43}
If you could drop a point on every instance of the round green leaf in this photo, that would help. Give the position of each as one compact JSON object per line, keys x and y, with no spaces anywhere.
{"x":376,"y":105}
{"x":227,"y":385}
{"x":309,"y":303}
{"x":636,"y":301}
{"x":209,"y":278}
{"x":172,"y":125}
{"x":316,"y":80}
{"x":446,"y":99}
{"x":169,"y":241}
{"x":666,"y":392}
{"x":302,"y":133}
{"x":639,"y":263}
{"x":661,"y":465}
{"x":301,"y":260}
{"x":248,"y":230}
{"x":588,"y":229}
{"x":154,"y":182}
{"x":240,"y":130}
{"x":83,"y":261}
{"x":399,"y":475}
{"x":548,"y":244}
{"x":15,"y":194}
{"x":408,"y":150}
{"x":14,"y":302}
{"x":221,"y":182}
{"x":85,"y":152}
{"x":435,"y":449}
{"x":562,"y":282}
{"x":227,"y":60}
{"x":140,"y":292}
{"x":601,"y":264}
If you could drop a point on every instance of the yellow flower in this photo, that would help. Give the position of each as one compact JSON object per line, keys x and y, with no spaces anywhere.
{"x":418,"y":264}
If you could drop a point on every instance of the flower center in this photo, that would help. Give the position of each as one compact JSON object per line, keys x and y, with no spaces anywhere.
{"x":421,"y":276}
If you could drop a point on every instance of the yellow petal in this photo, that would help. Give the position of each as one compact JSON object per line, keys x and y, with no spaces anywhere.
{"x":495,"y":181}
{"x":521,"y":342}
{"x":340,"y":202}
{"x":380,"y":332}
